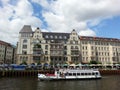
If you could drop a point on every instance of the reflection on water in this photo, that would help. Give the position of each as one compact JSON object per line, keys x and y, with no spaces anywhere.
{"x":106,"y":83}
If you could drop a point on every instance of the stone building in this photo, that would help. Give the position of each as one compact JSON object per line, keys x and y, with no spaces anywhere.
{"x":6,"y":53}
{"x":47,"y":47}
{"x":60,"y":48}
{"x":103,"y":50}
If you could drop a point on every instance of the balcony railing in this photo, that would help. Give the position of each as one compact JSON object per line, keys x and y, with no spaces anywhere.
{"x":76,"y":55}
{"x":37,"y":48}
{"x":74,"y":48}
{"x":36,"y":57}
{"x":56,"y":48}
{"x":56,"y":54}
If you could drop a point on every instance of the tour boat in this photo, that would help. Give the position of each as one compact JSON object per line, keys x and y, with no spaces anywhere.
{"x":71,"y":74}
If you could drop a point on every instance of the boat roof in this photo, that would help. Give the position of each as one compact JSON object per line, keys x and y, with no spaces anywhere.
{"x":79,"y":71}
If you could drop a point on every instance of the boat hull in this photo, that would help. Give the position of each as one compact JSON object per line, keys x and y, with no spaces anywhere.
{"x":65,"y":78}
{"x":61,"y":79}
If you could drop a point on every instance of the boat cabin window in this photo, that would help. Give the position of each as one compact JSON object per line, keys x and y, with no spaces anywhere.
{"x":96,"y":73}
{"x":82,"y":73}
{"x":78,"y":74}
{"x":74,"y":74}
{"x":70,"y":74}
{"x":89,"y":73}
{"x":86,"y":73}
{"x":93,"y":73}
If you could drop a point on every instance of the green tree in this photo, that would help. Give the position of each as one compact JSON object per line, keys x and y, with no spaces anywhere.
{"x":38,"y":63}
{"x":93,"y":62}
{"x":23,"y":63}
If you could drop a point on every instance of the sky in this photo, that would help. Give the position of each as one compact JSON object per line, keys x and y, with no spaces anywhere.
{"x":100,"y":18}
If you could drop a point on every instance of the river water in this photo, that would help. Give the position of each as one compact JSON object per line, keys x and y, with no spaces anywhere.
{"x":106,"y":83}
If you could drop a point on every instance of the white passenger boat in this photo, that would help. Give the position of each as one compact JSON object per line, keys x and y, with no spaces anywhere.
{"x":71,"y":74}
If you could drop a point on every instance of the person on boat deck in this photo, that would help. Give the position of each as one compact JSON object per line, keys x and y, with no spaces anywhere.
{"x":47,"y":74}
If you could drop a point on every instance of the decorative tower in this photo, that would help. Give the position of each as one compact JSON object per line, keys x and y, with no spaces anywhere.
{"x":24,"y":45}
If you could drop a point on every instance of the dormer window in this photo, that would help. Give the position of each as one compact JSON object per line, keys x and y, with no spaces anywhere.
{"x":55,"y":37}
{"x":65,"y":37}
{"x":60,"y":37}
{"x":46,"y":36}
{"x":51,"y":36}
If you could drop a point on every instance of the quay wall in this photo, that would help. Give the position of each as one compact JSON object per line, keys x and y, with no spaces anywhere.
{"x":33,"y":73}
{"x":24,"y":73}
{"x":110,"y":72}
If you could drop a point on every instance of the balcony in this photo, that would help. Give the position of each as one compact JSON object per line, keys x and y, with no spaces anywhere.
{"x":76,"y":49}
{"x":75,"y":55}
{"x":56,"y":49}
{"x":36,"y":57}
{"x":36,"y":49}
{"x":56,"y":54}
{"x":38,"y":53}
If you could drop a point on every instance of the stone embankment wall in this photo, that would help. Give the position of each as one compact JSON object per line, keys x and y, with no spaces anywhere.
{"x":33,"y":73}
{"x":110,"y":72}
{"x":29,"y":73}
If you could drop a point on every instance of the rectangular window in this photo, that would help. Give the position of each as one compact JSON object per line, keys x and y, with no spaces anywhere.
{"x":46,"y":46}
{"x":76,"y":42}
{"x":65,"y":47}
{"x":65,"y":52}
{"x":46,"y":52}
{"x":24,"y":52}
{"x":24,"y":46}
{"x":91,"y":47}
{"x":83,"y":47}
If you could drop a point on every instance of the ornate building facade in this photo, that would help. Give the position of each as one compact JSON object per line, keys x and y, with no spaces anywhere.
{"x":60,"y":48}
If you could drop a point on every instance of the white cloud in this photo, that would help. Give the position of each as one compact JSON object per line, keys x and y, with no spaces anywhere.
{"x":64,"y":15}
{"x":43,"y":3}
{"x":23,"y":9}
{"x":60,"y":15}
{"x":87,"y":32}
{"x":13,"y":17}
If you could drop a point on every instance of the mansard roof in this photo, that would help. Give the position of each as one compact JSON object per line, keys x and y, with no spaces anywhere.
{"x":26,"y":29}
{"x":99,"y":39}
{"x":56,"y":36}
{"x":4,"y":43}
